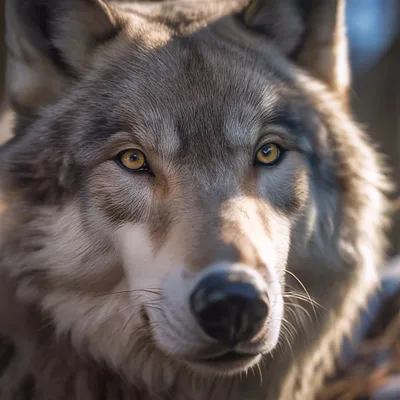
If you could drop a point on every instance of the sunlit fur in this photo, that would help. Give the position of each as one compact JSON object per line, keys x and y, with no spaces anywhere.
{"x":97,"y":262}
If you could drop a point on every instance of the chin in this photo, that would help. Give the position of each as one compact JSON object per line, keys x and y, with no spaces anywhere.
{"x":222,"y":324}
{"x":229,"y":364}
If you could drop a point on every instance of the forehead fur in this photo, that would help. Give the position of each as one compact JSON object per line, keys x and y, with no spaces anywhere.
{"x":188,"y":87}
{"x":181,"y":70}
{"x":171,"y":88}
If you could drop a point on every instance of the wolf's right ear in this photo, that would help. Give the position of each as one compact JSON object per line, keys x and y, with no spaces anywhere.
{"x":50,"y":43}
{"x":311,"y":33}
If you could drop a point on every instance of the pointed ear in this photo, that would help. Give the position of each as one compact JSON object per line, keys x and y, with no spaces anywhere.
{"x":310,"y":32}
{"x":50,"y":43}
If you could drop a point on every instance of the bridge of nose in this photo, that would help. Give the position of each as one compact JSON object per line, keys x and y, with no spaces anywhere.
{"x":225,"y":233}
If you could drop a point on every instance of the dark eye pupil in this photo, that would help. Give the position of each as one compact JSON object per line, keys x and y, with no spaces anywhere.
{"x":134,"y":157}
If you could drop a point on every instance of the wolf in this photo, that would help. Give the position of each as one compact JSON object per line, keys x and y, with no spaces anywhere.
{"x":188,"y":209}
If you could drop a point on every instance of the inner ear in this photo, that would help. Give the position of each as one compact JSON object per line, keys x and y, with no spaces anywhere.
{"x":280,"y":20}
{"x":309,"y":32}
{"x":50,"y":44}
{"x":37,"y":18}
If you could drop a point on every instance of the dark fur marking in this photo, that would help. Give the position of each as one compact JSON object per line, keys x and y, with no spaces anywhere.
{"x":305,"y":8}
{"x":39,"y":14}
{"x":107,"y":37}
{"x":7,"y":352}
{"x":27,"y":389}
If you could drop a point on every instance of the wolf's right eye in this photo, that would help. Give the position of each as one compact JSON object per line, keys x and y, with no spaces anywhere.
{"x":132,"y":159}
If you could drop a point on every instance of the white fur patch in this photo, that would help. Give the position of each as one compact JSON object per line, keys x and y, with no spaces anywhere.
{"x":142,"y":268}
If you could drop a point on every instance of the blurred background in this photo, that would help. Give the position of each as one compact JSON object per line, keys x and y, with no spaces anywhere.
{"x":374,"y":33}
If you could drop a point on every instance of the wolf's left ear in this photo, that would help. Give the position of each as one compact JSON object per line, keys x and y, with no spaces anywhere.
{"x":310,"y":32}
{"x":50,"y":43}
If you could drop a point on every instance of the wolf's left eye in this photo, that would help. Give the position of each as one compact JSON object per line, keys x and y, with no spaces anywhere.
{"x":132,"y":159}
{"x":269,"y":154}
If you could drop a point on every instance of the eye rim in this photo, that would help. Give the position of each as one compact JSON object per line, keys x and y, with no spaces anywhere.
{"x":144,"y":168}
{"x":278,"y":159}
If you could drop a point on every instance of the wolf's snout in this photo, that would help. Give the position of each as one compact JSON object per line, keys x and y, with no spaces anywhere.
{"x":229,"y":306}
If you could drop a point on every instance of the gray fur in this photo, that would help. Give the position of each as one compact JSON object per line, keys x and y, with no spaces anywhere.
{"x":196,"y":84}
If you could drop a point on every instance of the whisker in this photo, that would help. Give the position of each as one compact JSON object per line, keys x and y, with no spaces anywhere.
{"x":283,"y":331}
{"x":116,"y":314}
{"x":298,"y":307}
{"x":260,"y":372}
{"x":154,"y":308}
{"x":131,"y":291}
{"x":299,"y":319}
{"x":152,"y":325}
{"x":300,"y":283}
{"x":297,"y":295}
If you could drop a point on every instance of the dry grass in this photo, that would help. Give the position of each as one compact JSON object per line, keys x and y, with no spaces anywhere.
{"x":376,"y":361}
{"x":6,"y":121}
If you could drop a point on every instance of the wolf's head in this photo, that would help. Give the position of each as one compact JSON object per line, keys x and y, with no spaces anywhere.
{"x":172,"y":164}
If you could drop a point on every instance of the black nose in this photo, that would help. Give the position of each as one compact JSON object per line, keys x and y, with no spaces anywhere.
{"x":230,"y":307}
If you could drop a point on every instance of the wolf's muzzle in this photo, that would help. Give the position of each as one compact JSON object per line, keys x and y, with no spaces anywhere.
{"x":230,"y":306}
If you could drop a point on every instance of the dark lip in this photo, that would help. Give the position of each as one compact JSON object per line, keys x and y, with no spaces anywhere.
{"x":230,"y":356}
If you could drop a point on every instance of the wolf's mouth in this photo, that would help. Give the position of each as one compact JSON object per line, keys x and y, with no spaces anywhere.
{"x":231,"y":356}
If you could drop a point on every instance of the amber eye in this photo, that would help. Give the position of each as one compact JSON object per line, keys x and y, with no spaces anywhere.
{"x":268,"y":154}
{"x":132,"y":159}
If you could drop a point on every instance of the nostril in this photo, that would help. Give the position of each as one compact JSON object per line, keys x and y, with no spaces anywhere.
{"x":229,"y":311}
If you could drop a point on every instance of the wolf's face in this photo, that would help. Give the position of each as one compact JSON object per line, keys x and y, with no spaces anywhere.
{"x":173,"y":176}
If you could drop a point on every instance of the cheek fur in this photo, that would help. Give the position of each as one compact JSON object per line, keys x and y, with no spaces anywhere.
{"x":286,"y":186}
{"x":122,"y":196}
